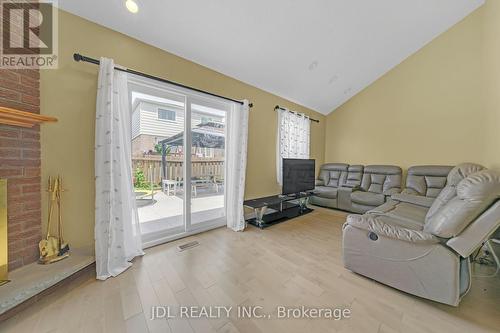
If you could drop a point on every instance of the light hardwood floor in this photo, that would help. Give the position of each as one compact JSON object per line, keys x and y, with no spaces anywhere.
{"x":292,"y":264}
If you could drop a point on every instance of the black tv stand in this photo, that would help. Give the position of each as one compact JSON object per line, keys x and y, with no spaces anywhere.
{"x":277,"y":208}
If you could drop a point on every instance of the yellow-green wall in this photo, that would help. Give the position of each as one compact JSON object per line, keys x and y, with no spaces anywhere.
{"x":69,"y":94}
{"x":439,"y":106}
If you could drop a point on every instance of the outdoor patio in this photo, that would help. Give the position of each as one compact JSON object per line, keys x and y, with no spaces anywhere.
{"x":166,"y":211}
{"x":163,"y":208}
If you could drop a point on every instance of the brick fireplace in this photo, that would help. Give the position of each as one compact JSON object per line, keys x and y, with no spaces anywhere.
{"x":20,"y":165}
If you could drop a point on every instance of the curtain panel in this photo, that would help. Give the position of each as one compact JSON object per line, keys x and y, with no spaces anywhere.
{"x":293,"y":138}
{"x":117,"y":231}
{"x":236,"y":162}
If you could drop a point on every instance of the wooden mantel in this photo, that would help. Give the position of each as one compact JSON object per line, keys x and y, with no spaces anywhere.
{"x":14,"y":117}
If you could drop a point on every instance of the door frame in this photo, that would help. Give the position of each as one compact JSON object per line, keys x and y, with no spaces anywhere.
{"x":154,"y":88}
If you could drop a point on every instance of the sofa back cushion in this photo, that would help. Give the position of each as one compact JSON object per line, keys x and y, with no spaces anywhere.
{"x":354,"y":175}
{"x":455,"y":175}
{"x":474,"y":194}
{"x":426,"y":180}
{"x":380,"y":178}
{"x":333,"y":174}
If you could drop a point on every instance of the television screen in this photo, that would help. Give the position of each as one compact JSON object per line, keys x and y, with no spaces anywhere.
{"x":298,"y":175}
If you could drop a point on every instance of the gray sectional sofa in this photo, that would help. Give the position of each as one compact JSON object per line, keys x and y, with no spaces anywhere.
{"x":420,"y":240}
{"x":356,"y":188}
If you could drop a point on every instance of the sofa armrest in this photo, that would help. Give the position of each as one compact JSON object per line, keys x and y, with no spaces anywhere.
{"x":418,"y":200}
{"x":373,"y":224}
{"x":319,"y":182}
{"x":344,"y":197}
{"x":391,"y":191}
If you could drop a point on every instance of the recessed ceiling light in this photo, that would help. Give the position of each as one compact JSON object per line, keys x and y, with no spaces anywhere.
{"x":313,"y":65}
{"x":333,"y":79}
{"x":132,"y":6}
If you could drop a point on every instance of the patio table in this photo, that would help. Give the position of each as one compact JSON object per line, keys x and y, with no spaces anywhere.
{"x":195,"y":184}
{"x":200,"y":183}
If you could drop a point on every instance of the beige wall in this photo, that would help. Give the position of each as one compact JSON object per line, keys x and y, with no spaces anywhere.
{"x":69,"y":94}
{"x":441,"y":105}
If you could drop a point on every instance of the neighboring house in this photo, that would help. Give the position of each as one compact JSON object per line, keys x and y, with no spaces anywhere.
{"x":153,"y":121}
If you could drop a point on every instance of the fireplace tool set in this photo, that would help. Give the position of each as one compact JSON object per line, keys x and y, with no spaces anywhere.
{"x":53,"y":248}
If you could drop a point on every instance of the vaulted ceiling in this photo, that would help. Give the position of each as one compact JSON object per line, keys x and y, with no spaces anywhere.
{"x":318,"y":53}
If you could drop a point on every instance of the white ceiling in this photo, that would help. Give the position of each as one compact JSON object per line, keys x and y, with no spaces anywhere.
{"x":318,"y":53}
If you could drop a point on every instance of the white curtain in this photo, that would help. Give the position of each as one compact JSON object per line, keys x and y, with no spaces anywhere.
{"x":236,"y":162}
{"x":117,"y":231}
{"x":292,"y":139}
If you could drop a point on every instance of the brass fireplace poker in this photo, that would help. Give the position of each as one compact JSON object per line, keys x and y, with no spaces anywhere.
{"x":53,"y":248}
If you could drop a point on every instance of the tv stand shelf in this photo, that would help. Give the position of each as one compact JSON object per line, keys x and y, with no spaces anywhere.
{"x":276,"y":209}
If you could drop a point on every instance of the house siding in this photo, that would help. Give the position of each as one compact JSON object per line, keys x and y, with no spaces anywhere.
{"x":136,"y":121}
{"x":149,"y":124}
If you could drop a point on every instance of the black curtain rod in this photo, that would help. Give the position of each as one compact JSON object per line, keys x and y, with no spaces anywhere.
{"x":277,"y":107}
{"x":78,"y":57}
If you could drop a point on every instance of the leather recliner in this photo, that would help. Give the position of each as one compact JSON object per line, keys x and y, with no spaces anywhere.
{"x":425,"y":250}
{"x":423,"y":184}
{"x":378,"y":183}
{"x":426,"y":180}
{"x":331,"y":177}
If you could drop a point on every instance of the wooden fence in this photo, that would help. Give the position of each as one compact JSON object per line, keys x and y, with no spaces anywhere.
{"x":200,"y":168}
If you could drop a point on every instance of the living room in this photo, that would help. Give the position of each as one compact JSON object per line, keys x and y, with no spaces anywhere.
{"x":341,"y":157}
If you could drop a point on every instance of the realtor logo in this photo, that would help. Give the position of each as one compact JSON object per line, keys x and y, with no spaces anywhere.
{"x":29,"y":34}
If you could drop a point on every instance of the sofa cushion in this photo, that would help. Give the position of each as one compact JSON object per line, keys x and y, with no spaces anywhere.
{"x":461,"y":171}
{"x":474,"y":194}
{"x":428,"y":186}
{"x":412,"y":215}
{"x":334,"y":178}
{"x":426,"y":180}
{"x":401,"y":213}
{"x":367,"y":198}
{"x":325,"y":192}
{"x":446,"y":194}
{"x":449,"y":191}
{"x":384,"y":208}
{"x":354,"y":175}
{"x":418,"y":200}
{"x":381,"y":178}
{"x":388,"y":227}
{"x":333,"y":174}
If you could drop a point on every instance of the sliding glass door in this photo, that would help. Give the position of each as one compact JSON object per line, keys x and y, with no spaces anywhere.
{"x":178,"y":160}
{"x":207,"y":164}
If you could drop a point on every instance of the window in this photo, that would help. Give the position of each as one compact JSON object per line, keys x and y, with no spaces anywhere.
{"x":165,"y":114}
{"x":293,"y":138}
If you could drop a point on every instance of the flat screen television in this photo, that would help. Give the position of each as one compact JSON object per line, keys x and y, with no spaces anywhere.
{"x":298,"y":175}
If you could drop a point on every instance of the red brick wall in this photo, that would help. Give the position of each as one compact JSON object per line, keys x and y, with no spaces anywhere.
{"x":20,"y":164}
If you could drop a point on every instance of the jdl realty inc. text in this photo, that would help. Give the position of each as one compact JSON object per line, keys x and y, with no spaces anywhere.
{"x":256,"y":312}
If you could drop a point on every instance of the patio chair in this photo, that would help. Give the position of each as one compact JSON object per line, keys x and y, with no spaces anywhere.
{"x":218,"y":183}
{"x":168,"y":184}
